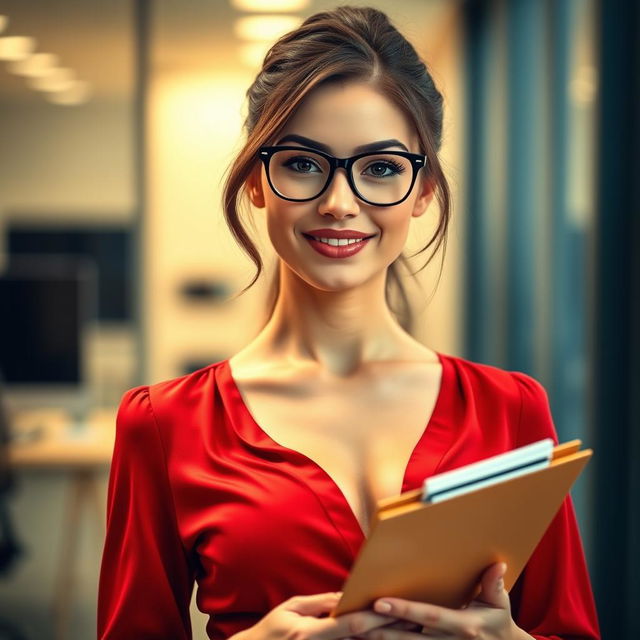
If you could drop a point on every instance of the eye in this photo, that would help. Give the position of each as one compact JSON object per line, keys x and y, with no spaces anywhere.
{"x":300,"y":164}
{"x":384,"y":169}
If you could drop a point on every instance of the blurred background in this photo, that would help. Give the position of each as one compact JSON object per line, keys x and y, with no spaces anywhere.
{"x":117,"y":122}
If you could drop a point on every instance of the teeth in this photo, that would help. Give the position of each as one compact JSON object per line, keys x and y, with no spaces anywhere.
{"x":339,"y":242}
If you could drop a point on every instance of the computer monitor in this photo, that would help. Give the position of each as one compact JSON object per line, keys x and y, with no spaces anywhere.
{"x":110,"y":246}
{"x":46,"y":303}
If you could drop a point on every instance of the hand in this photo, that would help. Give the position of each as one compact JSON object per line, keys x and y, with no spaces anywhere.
{"x":487,"y":617}
{"x":298,"y":617}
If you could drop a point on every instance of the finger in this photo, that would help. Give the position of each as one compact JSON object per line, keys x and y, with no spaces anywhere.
{"x":315,"y":604}
{"x":401,"y":625}
{"x":347,"y":625}
{"x":405,"y":625}
{"x":431,"y":616}
{"x":434,"y":634}
{"x":492,"y":590}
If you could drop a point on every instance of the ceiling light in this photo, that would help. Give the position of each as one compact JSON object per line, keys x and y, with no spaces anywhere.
{"x":272,"y":5}
{"x":57,"y":80}
{"x":4,"y":21}
{"x":77,"y":93}
{"x":264,"y":28}
{"x":35,"y":66}
{"x":16,"y":47}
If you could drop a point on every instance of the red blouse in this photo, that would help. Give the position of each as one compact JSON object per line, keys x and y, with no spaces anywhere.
{"x":199,"y":492}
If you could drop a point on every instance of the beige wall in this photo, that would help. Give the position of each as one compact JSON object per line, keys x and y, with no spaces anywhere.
{"x":194,"y":128}
{"x":441,"y":323}
{"x":73,"y":161}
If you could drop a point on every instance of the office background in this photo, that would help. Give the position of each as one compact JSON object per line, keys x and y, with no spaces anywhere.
{"x":110,"y":182}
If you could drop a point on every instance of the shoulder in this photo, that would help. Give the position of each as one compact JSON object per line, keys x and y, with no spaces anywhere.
{"x":142,"y":406}
{"x":183,"y":388}
{"x":488,"y":378}
{"x":515,"y":383}
{"x":521,"y":394}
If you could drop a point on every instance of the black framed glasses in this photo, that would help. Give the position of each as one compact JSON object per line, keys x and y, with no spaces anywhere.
{"x":380,"y":178}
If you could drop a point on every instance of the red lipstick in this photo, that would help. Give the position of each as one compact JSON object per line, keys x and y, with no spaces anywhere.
{"x":321,"y":237}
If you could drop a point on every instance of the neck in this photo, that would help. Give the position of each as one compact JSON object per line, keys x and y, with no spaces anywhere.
{"x":338,"y":330}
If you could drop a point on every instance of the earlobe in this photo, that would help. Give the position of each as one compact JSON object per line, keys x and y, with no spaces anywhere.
{"x":257,"y":198}
{"x":424,"y":199}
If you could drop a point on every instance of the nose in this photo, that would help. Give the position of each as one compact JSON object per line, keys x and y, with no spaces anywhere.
{"x":339,"y":200}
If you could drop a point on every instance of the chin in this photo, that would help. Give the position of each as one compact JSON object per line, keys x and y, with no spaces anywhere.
{"x":335,"y":282}
{"x":329,"y":275}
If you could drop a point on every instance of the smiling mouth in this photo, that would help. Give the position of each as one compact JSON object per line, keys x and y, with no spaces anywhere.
{"x":338,"y":242}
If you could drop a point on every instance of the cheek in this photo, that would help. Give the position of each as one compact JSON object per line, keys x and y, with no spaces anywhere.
{"x":395,"y":227}
{"x":282,"y":222}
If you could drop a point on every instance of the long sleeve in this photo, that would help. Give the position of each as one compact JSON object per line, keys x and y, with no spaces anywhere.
{"x":552,"y":599}
{"x":146,"y":579}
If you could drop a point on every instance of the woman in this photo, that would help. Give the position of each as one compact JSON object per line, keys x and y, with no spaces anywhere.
{"x":257,"y":475}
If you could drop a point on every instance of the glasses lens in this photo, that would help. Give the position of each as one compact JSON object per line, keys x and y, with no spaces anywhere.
{"x":298,"y":174}
{"x":383,"y":178}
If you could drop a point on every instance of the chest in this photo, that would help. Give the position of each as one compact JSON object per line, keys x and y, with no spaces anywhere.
{"x":361,"y":435}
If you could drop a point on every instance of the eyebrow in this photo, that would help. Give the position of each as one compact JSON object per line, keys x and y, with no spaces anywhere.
{"x":364,"y":148}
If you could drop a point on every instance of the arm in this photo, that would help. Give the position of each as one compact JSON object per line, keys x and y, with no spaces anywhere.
{"x":552,"y":599}
{"x":146,"y":579}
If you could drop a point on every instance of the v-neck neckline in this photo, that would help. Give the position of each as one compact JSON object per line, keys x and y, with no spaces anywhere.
{"x":333,"y":498}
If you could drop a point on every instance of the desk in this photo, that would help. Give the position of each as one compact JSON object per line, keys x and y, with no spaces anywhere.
{"x":82,"y":450}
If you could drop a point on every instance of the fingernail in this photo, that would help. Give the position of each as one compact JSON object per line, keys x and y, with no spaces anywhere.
{"x":500,"y":584}
{"x":382,"y":606}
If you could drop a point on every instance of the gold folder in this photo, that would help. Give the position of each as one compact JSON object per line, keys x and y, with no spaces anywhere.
{"x":437,"y":552}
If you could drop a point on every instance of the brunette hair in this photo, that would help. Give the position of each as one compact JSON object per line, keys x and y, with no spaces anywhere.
{"x":347,"y":43}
